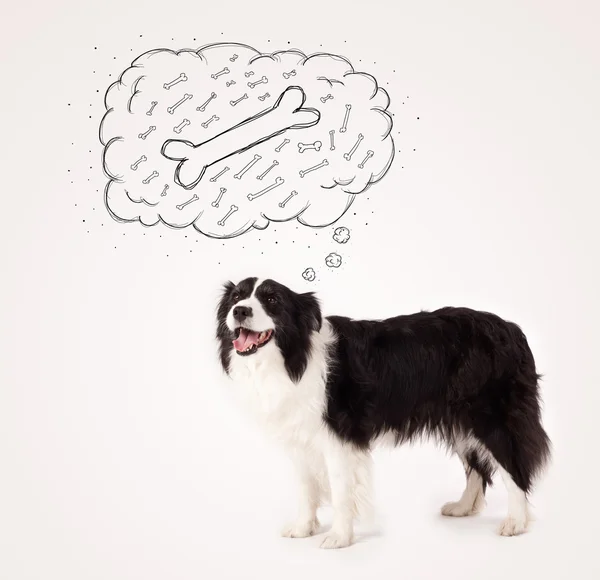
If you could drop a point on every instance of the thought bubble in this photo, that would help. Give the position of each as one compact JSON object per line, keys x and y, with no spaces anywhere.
{"x":341,"y":235}
{"x":333,"y":260}
{"x":227,"y":139}
{"x":309,"y":274}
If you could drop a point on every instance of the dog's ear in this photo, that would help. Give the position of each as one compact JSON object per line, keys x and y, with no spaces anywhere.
{"x":228,"y":287}
{"x":222,"y":308}
{"x":310,"y":311}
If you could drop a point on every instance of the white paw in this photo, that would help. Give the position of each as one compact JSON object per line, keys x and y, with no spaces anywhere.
{"x":457,"y":509}
{"x":300,"y":529}
{"x":513,"y":527}
{"x":334,"y":540}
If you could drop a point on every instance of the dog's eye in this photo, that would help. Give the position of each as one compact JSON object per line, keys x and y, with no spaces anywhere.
{"x":271,"y":299}
{"x":236,"y":297}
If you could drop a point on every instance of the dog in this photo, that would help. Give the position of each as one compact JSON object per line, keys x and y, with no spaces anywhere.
{"x":332,"y":388}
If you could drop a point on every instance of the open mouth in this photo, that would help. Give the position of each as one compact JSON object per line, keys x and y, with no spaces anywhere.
{"x":249,"y":341}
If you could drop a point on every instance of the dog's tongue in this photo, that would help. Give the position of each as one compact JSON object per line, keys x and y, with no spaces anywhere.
{"x":245,"y":339}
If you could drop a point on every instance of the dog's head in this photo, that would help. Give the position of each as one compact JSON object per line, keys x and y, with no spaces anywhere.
{"x":257,"y":315}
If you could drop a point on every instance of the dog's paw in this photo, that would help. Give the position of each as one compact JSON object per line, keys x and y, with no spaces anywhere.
{"x":457,"y":509}
{"x":513,"y":527}
{"x":301,"y":529}
{"x":334,"y":540}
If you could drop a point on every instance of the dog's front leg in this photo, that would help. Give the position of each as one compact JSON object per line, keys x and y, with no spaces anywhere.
{"x":306,"y":523}
{"x":341,"y":462}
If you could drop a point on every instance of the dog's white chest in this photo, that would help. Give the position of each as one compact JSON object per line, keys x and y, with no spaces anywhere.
{"x":291,"y":412}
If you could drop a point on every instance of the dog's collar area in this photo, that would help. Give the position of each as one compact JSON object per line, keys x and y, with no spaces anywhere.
{"x":248,"y":341}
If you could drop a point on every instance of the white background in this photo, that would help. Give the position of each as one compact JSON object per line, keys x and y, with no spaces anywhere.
{"x":121,"y":453}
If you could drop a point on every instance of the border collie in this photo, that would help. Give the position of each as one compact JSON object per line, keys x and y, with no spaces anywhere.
{"x":331,"y":389}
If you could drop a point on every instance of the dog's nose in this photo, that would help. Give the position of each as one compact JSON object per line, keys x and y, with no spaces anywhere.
{"x":240,"y":313}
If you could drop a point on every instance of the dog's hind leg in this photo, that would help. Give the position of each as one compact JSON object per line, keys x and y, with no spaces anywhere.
{"x":478,"y":472}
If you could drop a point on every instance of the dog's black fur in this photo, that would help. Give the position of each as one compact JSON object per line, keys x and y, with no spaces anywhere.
{"x":446,"y":373}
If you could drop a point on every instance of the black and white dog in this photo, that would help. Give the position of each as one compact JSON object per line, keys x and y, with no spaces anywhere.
{"x":333,"y":388}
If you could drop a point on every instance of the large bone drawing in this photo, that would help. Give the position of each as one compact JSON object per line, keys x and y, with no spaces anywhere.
{"x":279,"y":181}
{"x":286,"y":113}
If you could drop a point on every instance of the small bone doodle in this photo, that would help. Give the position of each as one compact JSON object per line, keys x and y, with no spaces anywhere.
{"x":234,"y":58}
{"x":263,"y":97}
{"x":203,"y":106}
{"x":180,"y":102}
{"x":224,"y":170}
{"x":134,"y":166}
{"x":316,"y":146}
{"x":243,"y":97}
{"x":282,"y":145}
{"x":209,"y":121}
{"x":231,"y":211}
{"x":164,"y":191}
{"x":179,"y":128}
{"x":217,"y":201}
{"x":249,"y":74}
{"x":283,"y":203}
{"x":332,"y":140}
{"x":143,"y":136}
{"x":151,"y":109}
{"x":287,"y":75}
{"x":262,"y":81}
{"x":370,"y":154}
{"x":325,"y":99}
{"x":279,"y":181}
{"x":191,"y":200}
{"x":229,"y":83}
{"x":323,"y":163}
{"x":344,"y":127}
{"x":215,"y":76}
{"x":150,"y":178}
{"x":247,"y":167}
{"x":348,"y":156}
{"x":180,"y":79}
{"x":264,"y":173}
